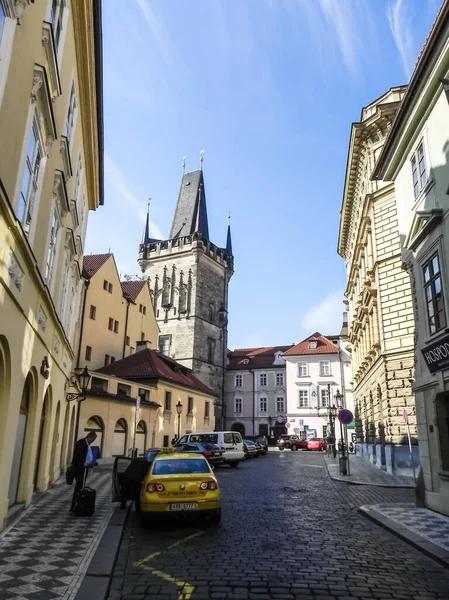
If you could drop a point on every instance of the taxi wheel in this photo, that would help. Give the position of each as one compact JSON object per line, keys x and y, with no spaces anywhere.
{"x":145,"y":520}
{"x":216,"y":517}
{"x":234,"y":464}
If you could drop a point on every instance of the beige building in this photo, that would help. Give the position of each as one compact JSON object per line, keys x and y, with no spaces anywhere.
{"x":117,"y":316}
{"x":415,"y":158}
{"x":50,"y":177}
{"x":379,"y":299}
{"x":162,"y":384}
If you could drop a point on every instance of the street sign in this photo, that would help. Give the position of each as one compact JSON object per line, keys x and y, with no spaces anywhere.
{"x":280,"y":419}
{"x":287,"y":425}
{"x":345,"y":416}
{"x":404,"y":415}
{"x":301,"y":422}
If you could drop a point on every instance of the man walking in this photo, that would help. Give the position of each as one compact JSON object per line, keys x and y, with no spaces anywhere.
{"x":82,"y":459}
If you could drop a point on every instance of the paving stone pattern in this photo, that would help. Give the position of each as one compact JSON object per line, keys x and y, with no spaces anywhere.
{"x":428,"y":524}
{"x":45,"y":554}
{"x":287,"y":534}
{"x":359,"y":495}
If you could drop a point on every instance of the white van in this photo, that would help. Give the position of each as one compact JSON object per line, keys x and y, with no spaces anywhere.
{"x":229,"y":442}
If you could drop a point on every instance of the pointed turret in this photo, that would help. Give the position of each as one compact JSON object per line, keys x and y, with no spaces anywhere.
{"x":146,"y":232}
{"x":191,"y":212}
{"x":228,"y":239}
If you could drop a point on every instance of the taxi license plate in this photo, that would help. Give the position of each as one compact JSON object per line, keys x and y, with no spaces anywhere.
{"x":183,"y":506}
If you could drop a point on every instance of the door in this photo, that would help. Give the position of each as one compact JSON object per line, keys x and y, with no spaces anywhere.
{"x":40,"y":441}
{"x":233,"y":445}
{"x":19,"y":444}
{"x":119,"y":440}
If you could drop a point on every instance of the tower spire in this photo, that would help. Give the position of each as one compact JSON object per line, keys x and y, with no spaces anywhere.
{"x":183,"y":165}
{"x":201,"y":159}
{"x":146,"y":233}
{"x":228,"y":237}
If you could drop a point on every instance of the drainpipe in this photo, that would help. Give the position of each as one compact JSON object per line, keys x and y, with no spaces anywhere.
{"x":83,"y":311}
{"x":126,"y":327}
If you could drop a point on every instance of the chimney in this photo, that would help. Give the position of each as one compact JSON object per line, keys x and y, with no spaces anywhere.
{"x":143,"y":345}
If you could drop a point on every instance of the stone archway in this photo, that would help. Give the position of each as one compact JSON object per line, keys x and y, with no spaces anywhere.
{"x":120,"y":438}
{"x":43,"y":442}
{"x":65,"y":433}
{"x":141,"y":437}
{"x":5,"y":385}
{"x":96,"y":424}
{"x":54,"y":444}
{"x":239,"y":427}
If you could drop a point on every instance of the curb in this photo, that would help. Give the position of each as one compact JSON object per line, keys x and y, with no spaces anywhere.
{"x":97,"y":580}
{"x":425,"y":546}
{"x":381,"y":485}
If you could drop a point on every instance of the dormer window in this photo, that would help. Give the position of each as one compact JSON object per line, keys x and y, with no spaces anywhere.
{"x":313,"y":345}
{"x":245,"y":361}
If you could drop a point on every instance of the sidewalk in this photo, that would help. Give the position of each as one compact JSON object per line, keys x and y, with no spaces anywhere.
{"x":362,"y":472}
{"x":45,"y":554}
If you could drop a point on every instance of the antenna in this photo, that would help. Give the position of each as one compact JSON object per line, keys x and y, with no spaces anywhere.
{"x":183,"y":165}
{"x":201,"y":159}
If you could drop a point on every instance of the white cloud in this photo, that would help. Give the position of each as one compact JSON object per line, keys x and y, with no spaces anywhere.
{"x":401,"y":30}
{"x":326,"y":316}
{"x":116,"y":180}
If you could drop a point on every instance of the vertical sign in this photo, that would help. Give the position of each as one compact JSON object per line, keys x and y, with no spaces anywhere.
{"x":405,"y":417}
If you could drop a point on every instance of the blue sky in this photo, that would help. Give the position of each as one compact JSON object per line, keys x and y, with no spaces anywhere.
{"x":268,"y":89}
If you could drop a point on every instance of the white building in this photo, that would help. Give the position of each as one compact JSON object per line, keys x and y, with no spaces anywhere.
{"x":317,"y":368}
{"x":416,"y":157}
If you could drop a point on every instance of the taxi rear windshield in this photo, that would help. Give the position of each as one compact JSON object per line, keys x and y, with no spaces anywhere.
{"x":179,"y":466}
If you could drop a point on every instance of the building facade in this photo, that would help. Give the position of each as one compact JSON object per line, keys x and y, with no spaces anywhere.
{"x":255,"y":391}
{"x":51,"y":152}
{"x":189,"y":277}
{"x":117,"y":316}
{"x":415,"y":157}
{"x":317,"y":370}
{"x":378,"y":295}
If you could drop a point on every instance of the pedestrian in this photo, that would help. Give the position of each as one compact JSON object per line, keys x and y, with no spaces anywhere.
{"x":82,"y":459}
{"x":174,"y":440}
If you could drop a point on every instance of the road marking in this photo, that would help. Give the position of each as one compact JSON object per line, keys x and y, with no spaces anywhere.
{"x":186,"y":588}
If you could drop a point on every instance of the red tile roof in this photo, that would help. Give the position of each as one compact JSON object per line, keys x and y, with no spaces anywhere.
{"x":324,"y":346}
{"x":259,"y":358}
{"x":131,"y":289}
{"x":92,"y":262}
{"x":150,"y":365}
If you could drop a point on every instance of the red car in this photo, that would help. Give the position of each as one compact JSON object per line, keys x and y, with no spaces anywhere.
{"x":317,"y":444}
{"x":292,"y":442}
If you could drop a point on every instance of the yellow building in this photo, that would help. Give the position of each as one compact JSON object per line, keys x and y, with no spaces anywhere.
{"x":117,"y":316}
{"x":51,"y":149}
{"x":163,"y":385}
{"x":379,"y":299}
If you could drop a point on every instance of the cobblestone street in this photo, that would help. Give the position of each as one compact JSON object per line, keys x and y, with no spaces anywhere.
{"x":288,"y":533}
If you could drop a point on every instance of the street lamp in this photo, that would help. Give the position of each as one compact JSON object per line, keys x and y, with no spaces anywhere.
{"x":339,"y":398}
{"x":331,"y":414}
{"x":222,"y":323}
{"x":83,"y":382}
{"x":179,"y":411}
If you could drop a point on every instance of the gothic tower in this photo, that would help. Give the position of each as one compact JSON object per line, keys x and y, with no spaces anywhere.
{"x":189,"y":277}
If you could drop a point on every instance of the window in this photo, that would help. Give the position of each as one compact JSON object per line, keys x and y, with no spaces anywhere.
{"x":92,"y":312}
{"x":2,"y":20}
{"x":105,"y":285}
{"x":124,"y":390}
{"x":206,"y":409}
{"x":263,"y":379}
{"x":64,"y":286}
{"x":111,"y":324}
{"x":211,"y":312}
{"x":144,"y":394}
{"x":189,"y":405}
{"x":280,"y":404}
{"x":325,"y":368}
{"x":164,"y":344}
{"x":127,"y":340}
{"x":434,"y":295}
{"x":112,"y":359}
{"x":52,"y":247}
{"x":30,"y":179}
{"x":279,"y":378}
{"x":106,"y":359}
{"x":110,"y":288}
{"x":210,"y":350}
{"x":313,"y":345}
{"x":238,"y":405}
{"x":70,"y":121}
{"x":88,"y":355}
{"x":419,"y":172}
{"x":165,"y":443}
{"x":303,"y":369}
{"x":140,"y":308}
{"x":324,"y":431}
{"x":325,"y":397}
{"x":167,"y":403}
{"x":144,"y":310}
{"x":76,"y":185}
{"x":99,"y":384}
{"x":57,"y":12}
{"x":115,"y":326}
{"x":303,"y":398}
{"x":263,"y":405}
{"x":238,"y":380}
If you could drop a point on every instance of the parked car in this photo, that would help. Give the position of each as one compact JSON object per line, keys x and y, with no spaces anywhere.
{"x":229,"y":442}
{"x":211,"y":452}
{"x":261,"y":443}
{"x":179,"y":484}
{"x":317,"y":444}
{"x":127,"y":477}
{"x":249,"y":448}
{"x":291,"y":442}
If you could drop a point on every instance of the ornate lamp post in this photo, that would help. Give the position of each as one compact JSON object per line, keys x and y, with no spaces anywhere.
{"x":338,"y":399}
{"x":331,"y":414}
{"x":179,"y":411}
{"x":83,"y":381}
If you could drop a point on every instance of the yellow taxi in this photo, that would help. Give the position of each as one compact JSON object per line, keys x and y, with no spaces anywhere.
{"x":179,"y":483}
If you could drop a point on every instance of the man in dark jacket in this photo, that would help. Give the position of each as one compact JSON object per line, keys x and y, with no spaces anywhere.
{"x":82,"y":459}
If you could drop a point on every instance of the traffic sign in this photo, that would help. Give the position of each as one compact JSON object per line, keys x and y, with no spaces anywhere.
{"x":345,"y":416}
{"x":404,"y":415}
{"x":287,"y":425}
{"x":301,"y":422}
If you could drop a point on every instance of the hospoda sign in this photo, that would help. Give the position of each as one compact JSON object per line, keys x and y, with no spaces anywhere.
{"x":437,"y":355}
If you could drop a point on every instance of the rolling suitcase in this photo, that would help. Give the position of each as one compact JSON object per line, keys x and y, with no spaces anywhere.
{"x":85,"y":501}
